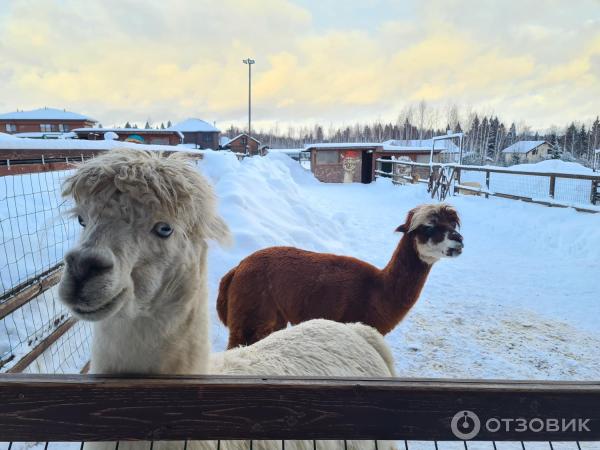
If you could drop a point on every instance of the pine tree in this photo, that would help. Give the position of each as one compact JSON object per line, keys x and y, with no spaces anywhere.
{"x":162,"y":126}
{"x":147,"y":126}
{"x":127,"y":125}
{"x":169,"y":124}
{"x":554,"y":146}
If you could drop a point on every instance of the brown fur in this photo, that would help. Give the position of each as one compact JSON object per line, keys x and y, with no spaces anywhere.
{"x":278,"y":285}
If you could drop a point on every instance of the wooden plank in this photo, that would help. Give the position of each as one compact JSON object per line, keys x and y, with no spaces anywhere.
{"x":26,"y":360}
{"x":76,"y":407}
{"x":27,"y":291}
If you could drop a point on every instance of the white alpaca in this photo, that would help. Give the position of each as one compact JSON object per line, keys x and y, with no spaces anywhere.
{"x":139,"y":273}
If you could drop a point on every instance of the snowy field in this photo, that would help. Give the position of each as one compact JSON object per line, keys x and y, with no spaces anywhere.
{"x":522,"y":302}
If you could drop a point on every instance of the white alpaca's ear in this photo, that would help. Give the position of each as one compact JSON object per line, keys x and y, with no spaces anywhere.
{"x":219,"y":231}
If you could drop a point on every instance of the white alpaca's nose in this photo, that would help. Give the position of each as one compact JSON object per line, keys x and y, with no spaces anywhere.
{"x":85,"y":264}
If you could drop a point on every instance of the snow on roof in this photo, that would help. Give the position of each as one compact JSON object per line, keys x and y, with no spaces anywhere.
{"x":240,"y":135}
{"x":342,"y":145}
{"x":26,"y":144}
{"x":46,"y":135}
{"x":597,"y":150}
{"x":193,"y":125}
{"x":420,"y":145}
{"x":223,"y":141}
{"x":400,"y":146}
{"x":522,"y":146}
{"x":45,"y":114}
{"x":7,"y":137}
{"x":127,"y":130}
{"x":287,"y":151}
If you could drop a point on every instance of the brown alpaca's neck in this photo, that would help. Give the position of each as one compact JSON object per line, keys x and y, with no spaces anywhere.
{"x":404,"y":278}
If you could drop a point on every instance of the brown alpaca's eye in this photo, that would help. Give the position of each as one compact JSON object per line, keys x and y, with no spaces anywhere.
{"x":81,"y":221}
{"x":163,"y":230}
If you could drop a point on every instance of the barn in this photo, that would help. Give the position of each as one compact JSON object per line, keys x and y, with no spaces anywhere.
{"x":355,"y":162}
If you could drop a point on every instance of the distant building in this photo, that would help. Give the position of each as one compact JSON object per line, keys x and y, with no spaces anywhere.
{"x":527,"y":151}
{"x":45,"y":121}
{"x":198,"y":132}
{"x":138,"y":135}
{"x":242,"y":143}
{"x":331,"y":162}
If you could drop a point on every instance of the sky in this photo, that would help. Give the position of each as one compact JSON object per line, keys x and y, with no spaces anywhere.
{"x":323,"y":61}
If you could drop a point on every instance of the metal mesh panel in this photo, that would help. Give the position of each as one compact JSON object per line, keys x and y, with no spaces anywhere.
{"x":35,"y":232}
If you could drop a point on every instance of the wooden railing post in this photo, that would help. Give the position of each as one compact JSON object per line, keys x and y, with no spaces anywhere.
{"x":457,"y":175}
{"x":552,"y":185}
{"x":487,"y":184}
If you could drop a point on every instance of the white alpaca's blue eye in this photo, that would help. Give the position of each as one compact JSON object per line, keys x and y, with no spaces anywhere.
{"x":162,"y":229}
{"x":81,"y":221}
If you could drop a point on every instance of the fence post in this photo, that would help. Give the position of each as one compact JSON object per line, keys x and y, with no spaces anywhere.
{"x":552,"y":185}
{"x":457,"y":175}
{"x":487,"y":183}
{"x":594,"y":194}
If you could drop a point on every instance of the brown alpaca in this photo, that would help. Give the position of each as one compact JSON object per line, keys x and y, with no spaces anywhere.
{"x":278,"y":285}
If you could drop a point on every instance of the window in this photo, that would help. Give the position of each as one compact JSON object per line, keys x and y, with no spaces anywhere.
{"x":63,"y":128}
{"x":11,"y":127}
{"x":327,"y":157}
{"x":45,"y":127}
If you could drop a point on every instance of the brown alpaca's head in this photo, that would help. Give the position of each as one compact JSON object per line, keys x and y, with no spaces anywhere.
{"x":432,"y":229}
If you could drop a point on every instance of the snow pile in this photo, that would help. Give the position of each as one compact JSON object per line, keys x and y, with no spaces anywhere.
{"x":27,"y":144}
{"x":554,"y":166}
{"x":7,"y":137}
{"x":521,"y":302}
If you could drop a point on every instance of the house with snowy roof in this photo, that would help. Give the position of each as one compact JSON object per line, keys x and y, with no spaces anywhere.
{"x":527,"y":151}
{"x":198,"y":132}
{"x":242,"y":143}
{"x":43,"y":122}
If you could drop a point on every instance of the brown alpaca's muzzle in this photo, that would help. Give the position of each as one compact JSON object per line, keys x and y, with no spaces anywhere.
{"x":456,"y":244}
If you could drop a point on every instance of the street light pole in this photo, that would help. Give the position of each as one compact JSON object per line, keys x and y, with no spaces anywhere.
{"x":249,"y":61}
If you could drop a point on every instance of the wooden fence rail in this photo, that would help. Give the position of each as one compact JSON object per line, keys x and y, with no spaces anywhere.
{"x":593,"y":197}
{"x":92,"y":408}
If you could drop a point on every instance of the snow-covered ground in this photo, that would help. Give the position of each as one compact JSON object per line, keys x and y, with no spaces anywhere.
{"x":521,"y":302}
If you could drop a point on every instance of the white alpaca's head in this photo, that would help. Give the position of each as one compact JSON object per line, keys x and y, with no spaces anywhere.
{"x":146,"y":219}
{"x":433,"y":232}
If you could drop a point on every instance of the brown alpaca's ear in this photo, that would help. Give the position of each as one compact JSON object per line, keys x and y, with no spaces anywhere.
{"x":406,"y":225}
{"x":401,"y":229}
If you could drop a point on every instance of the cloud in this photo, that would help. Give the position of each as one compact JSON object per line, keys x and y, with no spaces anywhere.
{"x":133,"y":60}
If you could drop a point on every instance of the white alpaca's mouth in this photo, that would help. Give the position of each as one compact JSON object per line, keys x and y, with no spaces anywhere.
{"x":101,"y":312}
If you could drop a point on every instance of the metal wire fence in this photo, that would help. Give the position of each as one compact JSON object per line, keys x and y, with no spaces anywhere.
{"x":581,"y":191}
{"x":35,"y":232}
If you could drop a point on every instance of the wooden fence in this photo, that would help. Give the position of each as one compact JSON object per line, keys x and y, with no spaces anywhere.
{"x":100,"y":408}
{"x":450,"y":178}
